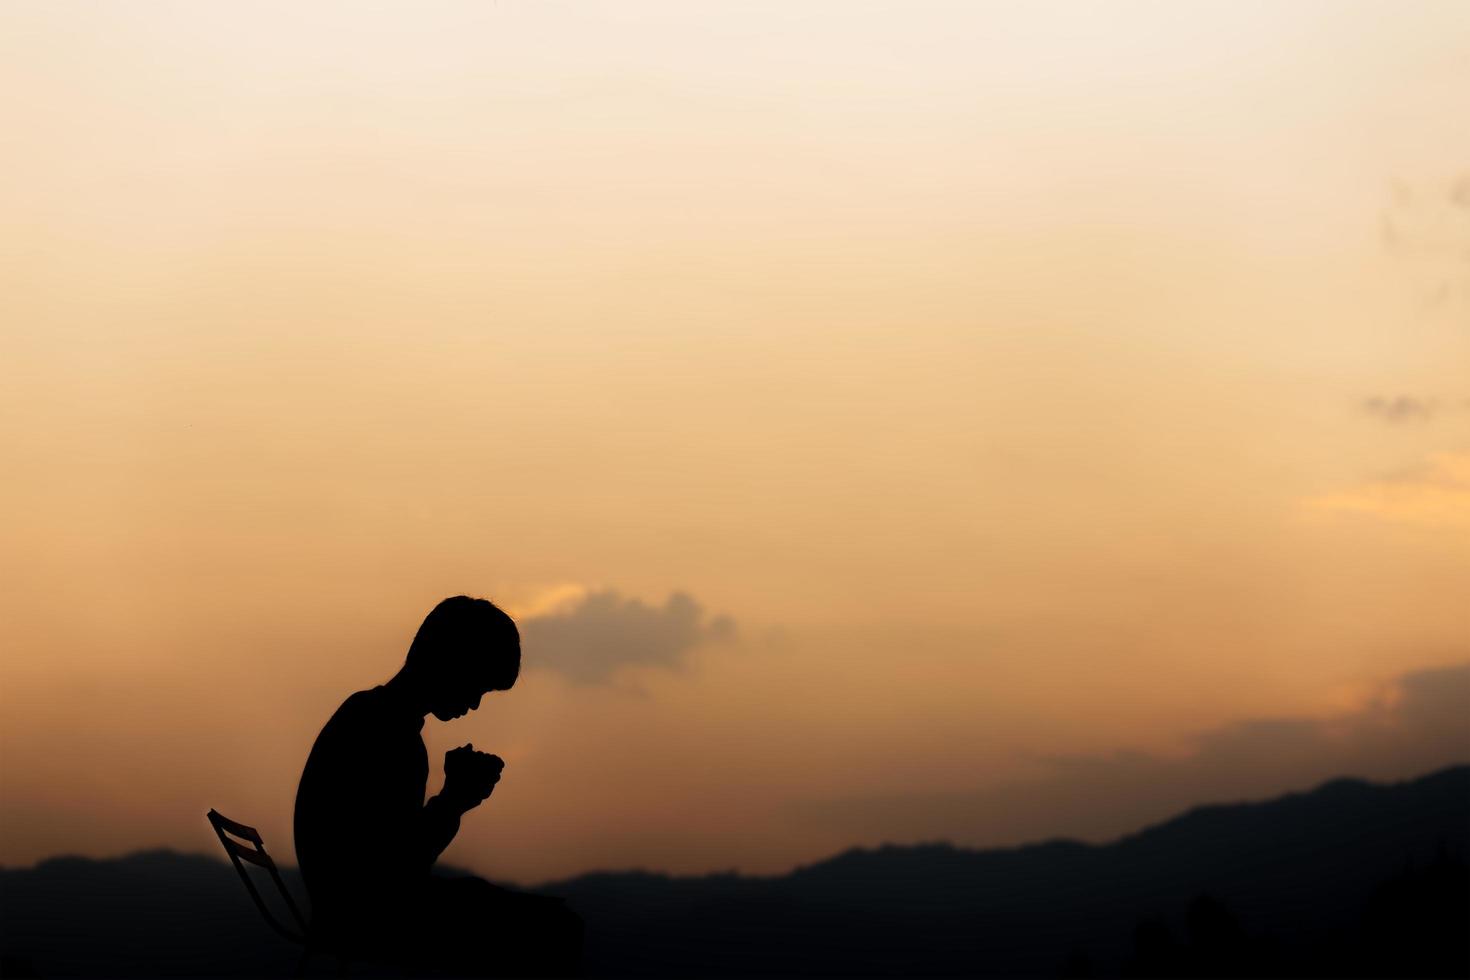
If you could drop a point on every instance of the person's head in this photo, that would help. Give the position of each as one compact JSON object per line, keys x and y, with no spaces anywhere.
{"x":464,"y":649}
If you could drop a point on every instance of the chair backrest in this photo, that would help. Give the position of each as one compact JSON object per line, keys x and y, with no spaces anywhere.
{"x":231,"y":835}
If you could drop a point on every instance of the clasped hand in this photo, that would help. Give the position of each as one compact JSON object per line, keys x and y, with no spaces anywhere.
{"x":470,"y":776}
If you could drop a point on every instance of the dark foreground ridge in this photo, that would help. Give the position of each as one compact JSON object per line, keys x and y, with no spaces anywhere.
{"x":1351,"y":879}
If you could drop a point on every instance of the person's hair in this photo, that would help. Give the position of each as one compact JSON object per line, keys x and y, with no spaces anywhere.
{"x":471,"y":628}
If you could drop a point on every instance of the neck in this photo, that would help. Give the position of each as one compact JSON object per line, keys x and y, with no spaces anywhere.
{"x":403,"y":688}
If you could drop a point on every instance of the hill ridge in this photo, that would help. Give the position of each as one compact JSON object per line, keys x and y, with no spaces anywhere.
{"x":1313,"y":881}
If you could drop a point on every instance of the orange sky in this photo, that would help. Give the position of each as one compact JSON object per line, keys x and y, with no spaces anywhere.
{"x":1027,"y":384}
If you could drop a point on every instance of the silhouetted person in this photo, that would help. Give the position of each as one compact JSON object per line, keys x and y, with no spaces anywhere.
{"x":366,"y":839}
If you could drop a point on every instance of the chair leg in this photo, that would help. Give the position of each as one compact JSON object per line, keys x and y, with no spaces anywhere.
{"x":304,"y":959}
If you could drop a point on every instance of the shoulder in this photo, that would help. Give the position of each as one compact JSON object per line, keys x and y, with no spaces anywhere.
{"x":363,"y":710}
{"x":370,"y":700}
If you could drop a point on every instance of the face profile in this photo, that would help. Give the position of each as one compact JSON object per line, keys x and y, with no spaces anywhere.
{"x":456,"y":700}
{"x":447,"y":712}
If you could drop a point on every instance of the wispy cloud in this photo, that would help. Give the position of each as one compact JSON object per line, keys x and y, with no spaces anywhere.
{"x":1436,"y":494}
{"x":1414,"y":724}
{"x":1400,"y":408}
{"x":1428,"y":228}
{"x":596,"y":633}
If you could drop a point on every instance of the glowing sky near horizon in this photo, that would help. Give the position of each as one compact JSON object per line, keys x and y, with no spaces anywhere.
{"x":1022,"y":382}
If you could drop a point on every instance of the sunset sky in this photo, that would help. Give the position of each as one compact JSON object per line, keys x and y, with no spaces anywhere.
{"x":887,"y":421}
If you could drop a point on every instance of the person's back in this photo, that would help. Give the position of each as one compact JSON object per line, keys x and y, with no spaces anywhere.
{"x":357,"y":808}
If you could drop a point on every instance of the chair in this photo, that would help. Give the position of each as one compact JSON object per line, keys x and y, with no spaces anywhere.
{"x":230,"y":835}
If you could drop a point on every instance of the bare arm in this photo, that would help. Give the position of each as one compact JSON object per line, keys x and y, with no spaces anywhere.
{"x":469,"y":778}
{"x":438,"y":824}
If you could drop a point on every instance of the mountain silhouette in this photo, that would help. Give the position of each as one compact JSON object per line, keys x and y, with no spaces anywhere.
{"x":1350,"y":879}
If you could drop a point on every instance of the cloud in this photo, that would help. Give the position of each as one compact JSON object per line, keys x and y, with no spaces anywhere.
{"x":599,"y":632}
{"x":1434,"y":494}
{"x":1401,"y":408}
{"x":1428,"y":229}
{"x":1415,"y":724}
